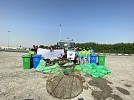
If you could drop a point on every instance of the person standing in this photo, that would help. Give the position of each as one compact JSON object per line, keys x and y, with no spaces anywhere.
{"x":91,"y":50}
{"x":84,"y":57}
{"x":79,"y":55}
{"x":36,"y":48}
{"x":88,"y":55}
{"x":31,"y":52}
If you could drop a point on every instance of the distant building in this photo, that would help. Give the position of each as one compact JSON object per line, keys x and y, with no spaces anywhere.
{"x":66,"y":43}
{"x":9,"y":48}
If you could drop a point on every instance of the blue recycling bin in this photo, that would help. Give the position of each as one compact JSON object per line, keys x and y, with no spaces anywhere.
{"x":93,"y":58}
{"x":36,"y":60}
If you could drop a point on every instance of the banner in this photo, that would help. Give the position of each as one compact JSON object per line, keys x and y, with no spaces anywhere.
{"x":50,"y":54}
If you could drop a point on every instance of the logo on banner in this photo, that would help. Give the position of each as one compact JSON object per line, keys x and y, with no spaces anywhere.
{"x":71,"y":54}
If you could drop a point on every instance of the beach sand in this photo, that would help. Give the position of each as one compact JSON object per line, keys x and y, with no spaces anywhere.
{"x":19,"y":84}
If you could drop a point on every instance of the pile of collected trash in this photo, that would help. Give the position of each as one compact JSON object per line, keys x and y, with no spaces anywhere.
{"x":92,"y":69}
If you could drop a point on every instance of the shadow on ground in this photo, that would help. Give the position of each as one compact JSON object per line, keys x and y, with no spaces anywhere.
{"x":106,"y":90}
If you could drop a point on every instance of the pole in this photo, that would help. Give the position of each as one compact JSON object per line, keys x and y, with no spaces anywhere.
{"x":68,"y":42}
{"x":60,"y":33}
{"x":8,"y":40}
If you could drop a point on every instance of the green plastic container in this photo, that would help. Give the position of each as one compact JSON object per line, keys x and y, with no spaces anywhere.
{"x":27,"y":61}
{"x":101,"y":60}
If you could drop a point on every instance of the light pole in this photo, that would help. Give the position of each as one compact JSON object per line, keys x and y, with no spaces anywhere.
{"x":8,"y":40}
{"x":60,"y":33}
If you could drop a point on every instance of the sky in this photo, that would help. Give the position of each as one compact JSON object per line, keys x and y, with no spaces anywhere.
{"x":28,"y":22}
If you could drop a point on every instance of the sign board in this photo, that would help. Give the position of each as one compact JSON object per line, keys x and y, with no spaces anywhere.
{"x":50,"y":54}
{"x":71,"y":55}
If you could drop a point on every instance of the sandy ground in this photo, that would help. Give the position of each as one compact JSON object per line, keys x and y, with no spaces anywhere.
{"x":19,"y":84}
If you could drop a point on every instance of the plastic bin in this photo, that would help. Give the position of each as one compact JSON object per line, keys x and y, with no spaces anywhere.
{"x":101,"y":60}
{"x":36,"y":60}
{"x":27,"y":61}
{"x":93,"y":58}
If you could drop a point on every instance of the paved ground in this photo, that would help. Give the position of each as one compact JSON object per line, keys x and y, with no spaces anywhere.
{"x":19,"y":84}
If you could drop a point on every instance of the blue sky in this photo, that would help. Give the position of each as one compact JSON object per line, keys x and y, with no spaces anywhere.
{"x":38,"y":21}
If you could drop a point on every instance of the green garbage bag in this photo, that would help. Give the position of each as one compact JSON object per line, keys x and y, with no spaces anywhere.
{"x":68,"y":64}
{"x":95,"y":70}
{"x":41,"y":65}
{"x":95,"y":75}
{"x":77,"y":67}
{"x":52,"y":69}
{"x":47,"y":71}
{"x":57,"y":71}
